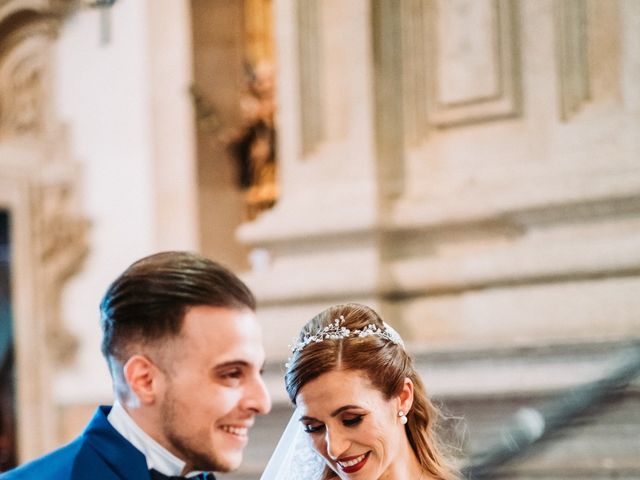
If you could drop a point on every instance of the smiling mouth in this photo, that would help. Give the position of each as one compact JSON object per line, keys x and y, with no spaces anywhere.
{"x":353,"y":464}
{"x":238,"y":431}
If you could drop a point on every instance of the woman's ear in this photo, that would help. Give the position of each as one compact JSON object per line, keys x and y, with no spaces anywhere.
{"x":406,"y":396}
{"x":144,"y":378}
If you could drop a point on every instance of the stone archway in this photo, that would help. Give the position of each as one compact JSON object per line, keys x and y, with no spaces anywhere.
{"x":39,"y":191}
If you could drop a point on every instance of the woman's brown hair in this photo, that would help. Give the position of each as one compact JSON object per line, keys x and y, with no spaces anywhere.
{"x":386,"y":365}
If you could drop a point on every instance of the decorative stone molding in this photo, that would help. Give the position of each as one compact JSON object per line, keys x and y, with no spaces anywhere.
{"x":39,"y":187}
{"x":572,"y":55}
{"x":310,"y":80}
{"x":389,"y":113}
{"x":473,"y":50}
{"x":423,"y":53}
{"x":416,"y":78}
{"x":440,"y":43}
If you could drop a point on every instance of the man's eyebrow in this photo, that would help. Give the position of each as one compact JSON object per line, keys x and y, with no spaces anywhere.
{"x":335,"y":413}
{"x":232,"y":363}
{"x":238,"y":364}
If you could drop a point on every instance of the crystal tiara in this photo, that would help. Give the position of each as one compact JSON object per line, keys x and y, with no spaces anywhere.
{"x":337,"y":331}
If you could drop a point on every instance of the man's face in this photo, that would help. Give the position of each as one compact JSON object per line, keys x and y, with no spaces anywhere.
{"x":213,"y":388}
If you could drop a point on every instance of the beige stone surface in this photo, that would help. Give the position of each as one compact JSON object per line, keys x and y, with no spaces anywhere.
{"x":219,"y":77}
{"x":487,"y":164}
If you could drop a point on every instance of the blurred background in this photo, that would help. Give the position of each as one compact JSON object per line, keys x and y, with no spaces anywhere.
{"x":469,"y":168}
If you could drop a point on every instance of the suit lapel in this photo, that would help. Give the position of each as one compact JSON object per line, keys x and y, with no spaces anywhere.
{"x":122,"y":459}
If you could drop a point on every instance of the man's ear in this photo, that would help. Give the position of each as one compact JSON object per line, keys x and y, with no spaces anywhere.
{"x":406,"y":396}
{"x":144,"y":378}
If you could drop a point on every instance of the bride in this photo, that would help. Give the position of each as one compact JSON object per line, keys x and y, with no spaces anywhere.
{"x":361,"y":409}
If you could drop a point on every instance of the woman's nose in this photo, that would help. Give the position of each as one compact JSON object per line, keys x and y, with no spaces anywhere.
{"x":337,"y":444}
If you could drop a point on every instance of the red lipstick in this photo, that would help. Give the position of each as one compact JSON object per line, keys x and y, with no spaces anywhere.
{"x":353,"y":468}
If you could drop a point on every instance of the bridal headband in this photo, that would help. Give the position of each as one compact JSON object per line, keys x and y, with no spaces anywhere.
{"x":337,"y":331}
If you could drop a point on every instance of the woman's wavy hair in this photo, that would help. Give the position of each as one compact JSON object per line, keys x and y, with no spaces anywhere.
{"x":386,"y":365}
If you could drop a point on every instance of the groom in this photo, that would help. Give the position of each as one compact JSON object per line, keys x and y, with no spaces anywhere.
{"x":185,"y":354}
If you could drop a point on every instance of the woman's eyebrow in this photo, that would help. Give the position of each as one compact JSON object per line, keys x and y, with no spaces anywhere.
{"x":335,"y":413}
{"x":307,"y":418}
{"x":338,"y":411}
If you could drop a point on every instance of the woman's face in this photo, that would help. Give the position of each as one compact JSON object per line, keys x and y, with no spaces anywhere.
{"x":352,"y":426}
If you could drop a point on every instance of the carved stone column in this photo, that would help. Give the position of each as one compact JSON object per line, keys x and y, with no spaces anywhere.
{"x":39,"y":187}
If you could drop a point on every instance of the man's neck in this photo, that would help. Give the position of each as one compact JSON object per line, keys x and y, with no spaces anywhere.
{"x":157,"y":456}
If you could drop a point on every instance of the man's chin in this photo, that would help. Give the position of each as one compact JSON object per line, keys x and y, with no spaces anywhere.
{"x":228,"y":463}
{"x":222,"y":462}
{"x":235,"y":464}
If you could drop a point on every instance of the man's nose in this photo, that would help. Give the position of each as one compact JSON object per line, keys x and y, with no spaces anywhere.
{"x":337,"y":444}
{"x":258,"y":399}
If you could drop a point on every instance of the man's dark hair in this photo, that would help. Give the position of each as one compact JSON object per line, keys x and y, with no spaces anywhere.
{"x":149,"y":300}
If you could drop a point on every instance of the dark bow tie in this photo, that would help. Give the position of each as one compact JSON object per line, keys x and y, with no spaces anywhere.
{"x":156,"y":475}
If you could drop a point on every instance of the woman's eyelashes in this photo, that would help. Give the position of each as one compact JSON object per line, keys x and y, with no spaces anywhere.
{"x":350,"y":421}
{"x":313,"y":427}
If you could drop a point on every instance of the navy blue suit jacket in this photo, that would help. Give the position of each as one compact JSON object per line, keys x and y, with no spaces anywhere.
{"x":100,"y":453}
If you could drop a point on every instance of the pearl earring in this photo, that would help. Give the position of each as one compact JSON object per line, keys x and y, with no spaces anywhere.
{"x":403,"y":417}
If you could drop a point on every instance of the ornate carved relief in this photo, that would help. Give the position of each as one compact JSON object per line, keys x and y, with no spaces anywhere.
{"x":59,"y":230}
{"x":24,"y":69}
{"x":26,"y":113}
{"x":60,"y":240}
{"x":572,"y":55}
{"x":473,"y":52}
{"x":21,"y":97}
{"x":310,"y":76}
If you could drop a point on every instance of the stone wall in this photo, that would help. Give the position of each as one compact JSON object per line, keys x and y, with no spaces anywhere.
{"x":493,"y":207}
{"x":468,"y":168}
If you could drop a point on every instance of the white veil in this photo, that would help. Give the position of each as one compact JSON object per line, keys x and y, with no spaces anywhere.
{"x":294,"y":458}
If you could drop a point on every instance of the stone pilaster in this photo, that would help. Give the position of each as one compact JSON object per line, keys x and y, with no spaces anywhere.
{"x":39,"y":187}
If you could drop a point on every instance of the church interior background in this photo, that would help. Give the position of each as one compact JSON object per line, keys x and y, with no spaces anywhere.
{"x":469,"y":168}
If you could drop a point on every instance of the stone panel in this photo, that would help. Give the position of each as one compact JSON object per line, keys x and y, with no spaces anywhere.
{"x":572,"y":55}
{"x":475,"y":50}
{"x":462,"y":61}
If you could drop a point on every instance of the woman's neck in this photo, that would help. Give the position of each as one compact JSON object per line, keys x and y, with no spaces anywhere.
{"x":405,"y":465}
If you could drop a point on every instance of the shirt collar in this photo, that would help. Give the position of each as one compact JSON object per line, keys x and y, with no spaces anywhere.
{"x":158,"y":457}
